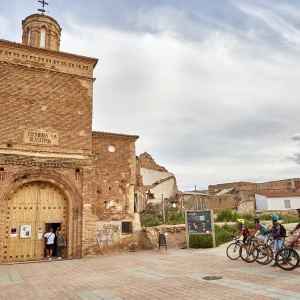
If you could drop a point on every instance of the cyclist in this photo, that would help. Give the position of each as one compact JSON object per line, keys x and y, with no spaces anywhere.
{"x":276,"y":234}
{"x":297,"y":228}
{"x":259,"y":231}
{"x":243,"y":230}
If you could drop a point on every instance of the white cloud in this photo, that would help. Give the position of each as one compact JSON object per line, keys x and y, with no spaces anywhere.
{"x":273,"y":19}
{"x":212,"y":110}
{"x":212,"y":100}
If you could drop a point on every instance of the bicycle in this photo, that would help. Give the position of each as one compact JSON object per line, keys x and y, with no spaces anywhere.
{"x":233,"y":249}
{"x":288,"y":258}
{"x":253,"y":251}
{"x":264,"y":251}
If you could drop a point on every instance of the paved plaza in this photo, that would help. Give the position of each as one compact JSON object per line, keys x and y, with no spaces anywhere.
{"x":172,"y":274}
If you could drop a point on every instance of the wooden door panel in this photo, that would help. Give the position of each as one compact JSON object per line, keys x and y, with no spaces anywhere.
{"x":34,"y":204}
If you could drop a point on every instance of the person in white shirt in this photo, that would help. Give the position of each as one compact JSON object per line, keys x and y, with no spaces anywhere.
{"x":50,"y":236}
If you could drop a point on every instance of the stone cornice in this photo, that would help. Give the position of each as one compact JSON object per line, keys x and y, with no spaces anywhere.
{"x":53,"y":60}
{"x":100,"y":133}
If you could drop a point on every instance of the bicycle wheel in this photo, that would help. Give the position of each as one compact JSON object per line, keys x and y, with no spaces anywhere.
{"x":246,"y":254}
{"x":287,"y":259}
{"x":233,"y":251}
{"x":263,"y":254}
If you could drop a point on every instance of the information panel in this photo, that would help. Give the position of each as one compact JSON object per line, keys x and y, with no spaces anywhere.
{"x":199,"y":221}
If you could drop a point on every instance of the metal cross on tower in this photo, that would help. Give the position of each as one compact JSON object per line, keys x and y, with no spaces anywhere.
{"x":43,"y":2}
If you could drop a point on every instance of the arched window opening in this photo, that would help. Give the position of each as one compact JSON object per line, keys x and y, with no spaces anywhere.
{"x":28,"y":37}
{"x":43,"y":38}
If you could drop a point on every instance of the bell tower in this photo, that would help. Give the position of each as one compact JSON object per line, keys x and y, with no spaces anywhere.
{"x":41,"y":31}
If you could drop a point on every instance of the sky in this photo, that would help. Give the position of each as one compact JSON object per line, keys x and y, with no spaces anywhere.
{"x":210,"y":86}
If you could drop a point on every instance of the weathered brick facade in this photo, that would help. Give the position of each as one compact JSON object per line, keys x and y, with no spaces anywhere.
{"x":46,"y":136}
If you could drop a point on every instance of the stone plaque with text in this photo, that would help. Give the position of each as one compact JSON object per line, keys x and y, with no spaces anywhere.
{"x":40,"y":137}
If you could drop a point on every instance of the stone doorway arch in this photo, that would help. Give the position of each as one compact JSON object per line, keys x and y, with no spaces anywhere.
{"x":52,"y":180}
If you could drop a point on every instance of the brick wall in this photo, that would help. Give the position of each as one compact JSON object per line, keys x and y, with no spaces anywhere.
{"x":51,"y":92}
{"x":112,"y":187}
{"x":38,"y":99}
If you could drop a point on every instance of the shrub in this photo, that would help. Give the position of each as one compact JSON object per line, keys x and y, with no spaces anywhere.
{"x":150,"y":220}
{"x":223,"y":235}
{"x":226,"y":215}
{"x":283,"y":218}
{"x":175,"y":218}
{"x":265,"y":217}
{"x":201,"y":241}
{"x":289,"y":218}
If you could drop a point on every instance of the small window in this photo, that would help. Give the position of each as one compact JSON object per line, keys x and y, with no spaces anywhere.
{"x":126,"y":227}
{"x":287,"y":203}
{"x":112,"y":148}
{"x":43,"y":38}
{"x":28,"y":37}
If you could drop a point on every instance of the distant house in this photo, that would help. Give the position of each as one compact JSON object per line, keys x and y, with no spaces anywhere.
{"x":194,"y":200}
{"x":277,"y":200}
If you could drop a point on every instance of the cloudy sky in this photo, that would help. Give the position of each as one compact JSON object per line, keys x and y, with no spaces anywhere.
{"x":212,"y":87}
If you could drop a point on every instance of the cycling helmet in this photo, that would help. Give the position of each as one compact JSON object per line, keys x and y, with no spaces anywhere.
{"x":274,"y":217}
{"x":242,"y":221}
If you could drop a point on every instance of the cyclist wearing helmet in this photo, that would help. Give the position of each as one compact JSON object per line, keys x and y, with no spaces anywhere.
{"x":243,"y":230}
{"x":275,"y":232}
{"x":297,"y":228}
{"x":259,"y":230}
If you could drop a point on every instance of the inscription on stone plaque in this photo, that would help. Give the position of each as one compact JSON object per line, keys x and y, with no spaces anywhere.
{"x":40,"y":137}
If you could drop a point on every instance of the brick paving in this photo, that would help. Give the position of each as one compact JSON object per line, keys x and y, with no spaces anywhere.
{"x":172,"y":274}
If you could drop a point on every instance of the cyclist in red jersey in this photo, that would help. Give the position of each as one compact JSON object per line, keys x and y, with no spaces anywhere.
{"x":243,"y":230}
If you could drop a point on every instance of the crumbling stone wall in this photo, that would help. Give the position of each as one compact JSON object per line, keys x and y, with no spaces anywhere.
{"x":146,"y":161}
{"x":218,"y":203}
{"x":245,"y":192}
{"x":175,"y":236}
{"x":112,"y":188}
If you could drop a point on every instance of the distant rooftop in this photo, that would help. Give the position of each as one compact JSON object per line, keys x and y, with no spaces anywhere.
{"x":279,"y":194}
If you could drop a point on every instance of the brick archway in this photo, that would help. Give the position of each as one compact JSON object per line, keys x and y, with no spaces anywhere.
{"x":66,"y":187}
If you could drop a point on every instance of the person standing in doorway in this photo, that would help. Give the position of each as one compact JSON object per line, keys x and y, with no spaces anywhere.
{"x":60,"y":243}
{"x":50,"y":236}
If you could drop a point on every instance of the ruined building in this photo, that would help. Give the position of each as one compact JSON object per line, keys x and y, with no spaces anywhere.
{"x":155,"y":183}
{"x":54,"y":170}
{"x":241,"y":196}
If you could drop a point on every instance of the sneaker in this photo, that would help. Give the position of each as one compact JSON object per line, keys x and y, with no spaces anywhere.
{"x":59,"y":258}
{"x":274,"y":265}
{"x":49,"y":258}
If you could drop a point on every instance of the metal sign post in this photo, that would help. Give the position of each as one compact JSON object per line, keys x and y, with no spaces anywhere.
{"x":199,"y":222}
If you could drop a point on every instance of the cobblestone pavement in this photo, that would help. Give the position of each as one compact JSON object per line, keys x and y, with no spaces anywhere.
{"x":172,"y":274}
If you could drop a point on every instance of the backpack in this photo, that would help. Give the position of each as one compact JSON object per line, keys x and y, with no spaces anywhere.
{"x":263,"y":229}
{"x":282,"y":230}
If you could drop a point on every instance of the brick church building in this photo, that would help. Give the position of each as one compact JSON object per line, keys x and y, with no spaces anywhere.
{"x":55,"y":171}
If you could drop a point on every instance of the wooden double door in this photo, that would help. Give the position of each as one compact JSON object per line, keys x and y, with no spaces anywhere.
{"x":29,"y":213}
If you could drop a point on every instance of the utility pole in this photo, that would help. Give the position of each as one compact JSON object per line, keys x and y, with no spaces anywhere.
{"x":163,"y":207}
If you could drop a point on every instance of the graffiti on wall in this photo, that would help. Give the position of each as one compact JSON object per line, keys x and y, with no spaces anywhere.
{"x":107,"y":232}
